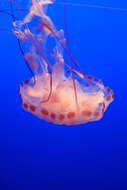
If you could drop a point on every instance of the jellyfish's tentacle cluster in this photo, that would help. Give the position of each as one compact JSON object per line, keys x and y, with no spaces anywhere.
{"x":52,"y":96}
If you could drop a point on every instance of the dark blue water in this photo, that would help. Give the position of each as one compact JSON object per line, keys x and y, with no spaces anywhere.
{"x":37,"y":155}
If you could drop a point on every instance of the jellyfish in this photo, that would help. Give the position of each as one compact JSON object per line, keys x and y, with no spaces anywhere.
{"x":59,"y":91}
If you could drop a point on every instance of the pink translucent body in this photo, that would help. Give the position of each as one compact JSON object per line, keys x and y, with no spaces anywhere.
{"x":56,"y":93}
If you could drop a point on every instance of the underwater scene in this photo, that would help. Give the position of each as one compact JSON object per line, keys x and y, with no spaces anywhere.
{"x":63,"y":94}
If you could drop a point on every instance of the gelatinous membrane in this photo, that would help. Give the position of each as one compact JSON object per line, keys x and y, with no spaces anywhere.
{"x":56,"y":93}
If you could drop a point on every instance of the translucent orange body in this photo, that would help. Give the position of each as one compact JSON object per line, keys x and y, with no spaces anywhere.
{"x":61,"y":107}
{"x":56,"y":93}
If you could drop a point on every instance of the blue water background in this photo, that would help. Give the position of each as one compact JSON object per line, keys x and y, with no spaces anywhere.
{"x":41,"y":156}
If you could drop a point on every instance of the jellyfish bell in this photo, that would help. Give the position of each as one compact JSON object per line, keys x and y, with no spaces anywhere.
{"x":57,"y":92}
{"x":61,"y":107}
